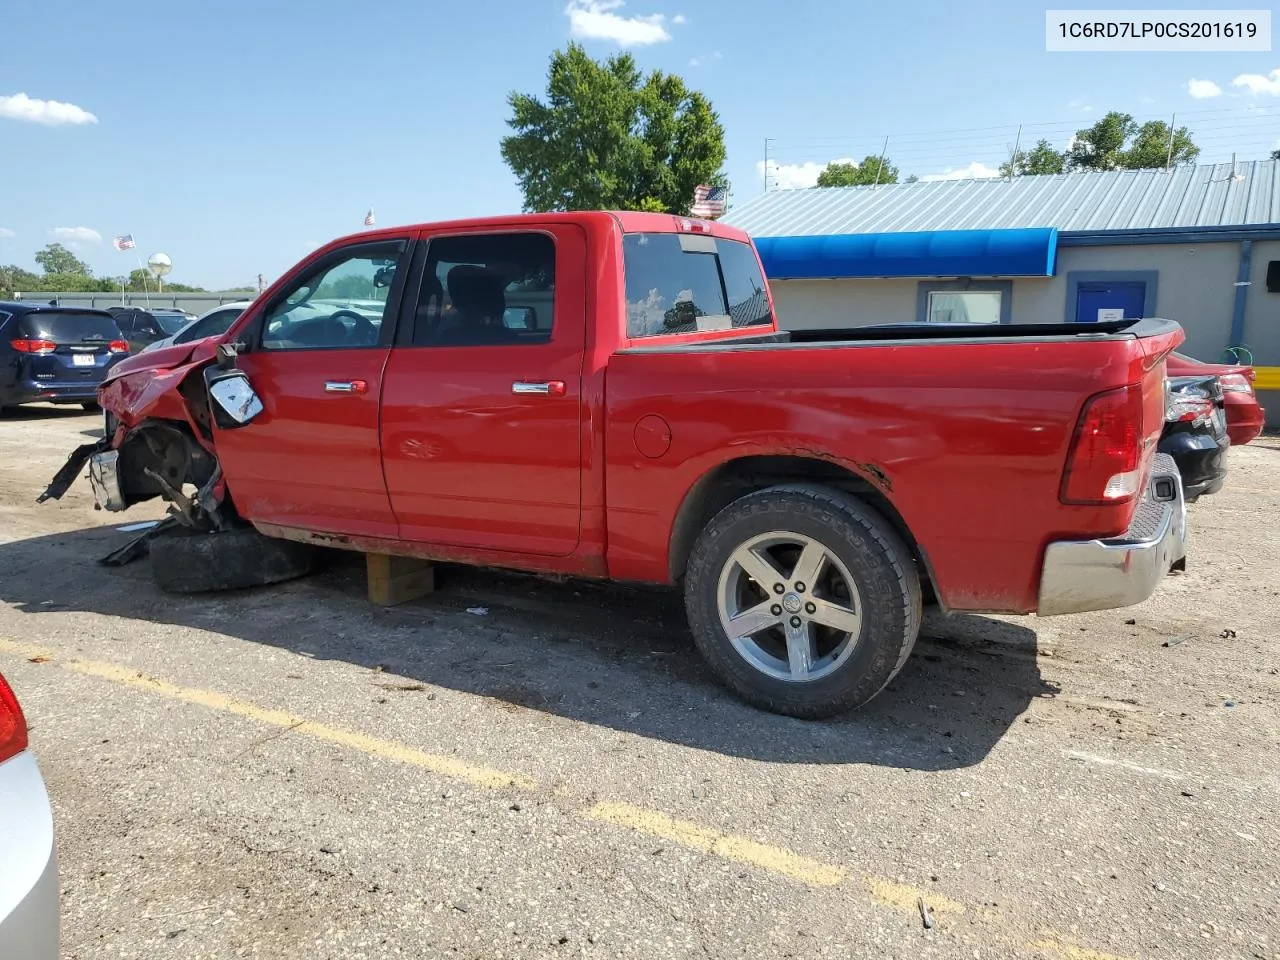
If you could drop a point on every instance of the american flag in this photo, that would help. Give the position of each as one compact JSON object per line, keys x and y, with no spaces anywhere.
{"x":368,"y":218}
{"x":124,"y":243}
{"x":708,"y":202}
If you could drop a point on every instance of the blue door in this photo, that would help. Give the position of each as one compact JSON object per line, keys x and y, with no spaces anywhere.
{"x":1129,"y":296}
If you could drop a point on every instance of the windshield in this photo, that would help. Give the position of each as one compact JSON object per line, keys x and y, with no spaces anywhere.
{"x":171,"y":323}
{"x":69,"y":326}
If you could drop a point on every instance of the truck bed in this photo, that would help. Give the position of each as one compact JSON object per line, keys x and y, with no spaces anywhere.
{"x":904,"y":333}
{"x":961,"y":431}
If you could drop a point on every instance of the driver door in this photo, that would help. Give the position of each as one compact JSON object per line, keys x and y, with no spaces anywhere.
{"x":314,"y":355}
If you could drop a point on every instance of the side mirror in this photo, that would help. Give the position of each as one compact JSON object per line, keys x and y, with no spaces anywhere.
{"x":231,"y":398}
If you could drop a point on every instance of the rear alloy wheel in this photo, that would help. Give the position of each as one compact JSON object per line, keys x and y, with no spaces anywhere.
{"x":189,"y":561}
{"x":803,"y":600}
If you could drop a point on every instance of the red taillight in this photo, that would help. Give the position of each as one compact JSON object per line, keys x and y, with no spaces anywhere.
{"x":13,"y":725}
{"x":1105,"y":462}
{"x":119,"y":346}
{"x":33,"y":346}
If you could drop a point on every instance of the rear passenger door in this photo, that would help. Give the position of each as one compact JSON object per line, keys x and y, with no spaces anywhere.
{"x":482,"y":414}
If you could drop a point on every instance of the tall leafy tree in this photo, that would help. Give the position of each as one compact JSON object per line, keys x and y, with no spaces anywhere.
{"x":871,"y":170}
{"x":1117,"y":142}
{"x":1040,"y":159}
{"x":607,"y":137}
{"x":55,"y":258}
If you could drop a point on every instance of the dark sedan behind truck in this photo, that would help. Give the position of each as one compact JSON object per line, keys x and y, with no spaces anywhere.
{"x":54,"y":354}
{"x":1195,"y":434}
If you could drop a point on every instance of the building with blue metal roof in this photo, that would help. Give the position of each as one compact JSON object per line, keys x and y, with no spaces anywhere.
{"x":1196,"y":244}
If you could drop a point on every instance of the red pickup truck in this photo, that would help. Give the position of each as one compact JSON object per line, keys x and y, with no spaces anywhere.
{"x":608,"y":395}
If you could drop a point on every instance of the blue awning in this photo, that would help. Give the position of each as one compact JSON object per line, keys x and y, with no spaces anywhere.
{"x":1025,"y":252}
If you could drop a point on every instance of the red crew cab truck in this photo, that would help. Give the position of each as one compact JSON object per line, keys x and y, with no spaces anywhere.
{"x":608,"y":395}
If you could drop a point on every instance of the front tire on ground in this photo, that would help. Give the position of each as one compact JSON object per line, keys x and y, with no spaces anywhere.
{"x":186,"y":561}
{"x":803,"y":600}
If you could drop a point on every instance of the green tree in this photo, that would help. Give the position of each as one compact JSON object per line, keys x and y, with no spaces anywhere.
{"x":1117,"y":142}
{"x":1275,"y":154}
{"x":871,"y":170}
{"x":1151,"y":147}
{"x":607,"y":137}
{"x":1040,"y":159}
{"x":55,"y":258}
{"x":74,"y":283}
{"x":14,"y":279}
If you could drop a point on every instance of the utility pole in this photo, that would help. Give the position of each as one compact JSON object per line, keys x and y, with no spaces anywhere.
{"x":880,"y":169}
{"x":1168,"y":160}
{"x":767,"y":142}
{"x":1013,"y":160}
{"x":260,"y":283}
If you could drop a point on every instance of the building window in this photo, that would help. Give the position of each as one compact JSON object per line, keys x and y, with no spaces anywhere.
{"x":964,"y":301}
{"x":964,"y":306}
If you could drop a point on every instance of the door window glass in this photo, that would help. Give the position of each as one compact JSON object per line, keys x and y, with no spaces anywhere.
{"x":487,"y":289}
{"x":341,"y":304}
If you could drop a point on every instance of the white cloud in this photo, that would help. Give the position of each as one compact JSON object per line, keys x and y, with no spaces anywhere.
{"x":596,"y":20}
{"x":1203,"y":89}
{"x":695,"y":62}
{"x":974,"y":171}
{"x":6,"y":233}
{"x":76,"y":234}
{"x":703,"y":61}
{"x":51,"y":113}
{"x":678,"y":19}
{"x":795,"y":176}
{"x":1080,"y":105}
{"x":1256,"y":83}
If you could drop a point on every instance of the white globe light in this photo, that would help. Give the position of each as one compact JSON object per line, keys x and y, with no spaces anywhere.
{"x":160,"y":264}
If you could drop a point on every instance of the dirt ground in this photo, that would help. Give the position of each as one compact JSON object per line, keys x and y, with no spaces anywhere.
{"x":513,"y":767}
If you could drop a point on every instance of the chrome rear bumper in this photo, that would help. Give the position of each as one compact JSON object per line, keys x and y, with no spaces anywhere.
{"x":1081,"y":575}
{"x":104,"y":477}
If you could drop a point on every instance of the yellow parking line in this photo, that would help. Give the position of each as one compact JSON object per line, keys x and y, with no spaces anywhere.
{"x":388,"y":749}
{"x":773,"y":859}
{"x":900,"y":896}
{"x":1052,"y":943}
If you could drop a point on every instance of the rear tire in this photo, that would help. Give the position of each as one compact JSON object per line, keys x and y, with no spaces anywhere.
{"x":844,"y":621}
{"x":91,"y":406}
{"x":187,"y":561}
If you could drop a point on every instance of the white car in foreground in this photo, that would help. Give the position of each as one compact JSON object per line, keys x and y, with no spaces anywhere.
{"x":29,"y":911}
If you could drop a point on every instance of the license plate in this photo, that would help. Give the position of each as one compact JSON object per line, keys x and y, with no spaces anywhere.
{"x":82,"y":359}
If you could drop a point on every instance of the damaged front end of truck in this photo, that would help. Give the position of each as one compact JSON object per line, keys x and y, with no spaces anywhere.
{"x":158,"y":441}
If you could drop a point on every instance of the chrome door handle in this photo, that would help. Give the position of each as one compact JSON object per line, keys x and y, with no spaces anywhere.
{"x":346,"y":386}
{"x":546,"y":388}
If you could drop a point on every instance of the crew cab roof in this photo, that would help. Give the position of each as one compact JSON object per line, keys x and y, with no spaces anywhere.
{"x":629,"y":221}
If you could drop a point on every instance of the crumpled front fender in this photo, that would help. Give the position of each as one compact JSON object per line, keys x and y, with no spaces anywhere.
{"x":147,"y":394}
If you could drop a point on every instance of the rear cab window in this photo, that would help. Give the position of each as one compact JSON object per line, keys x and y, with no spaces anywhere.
{"x":68,"y":326}
{"x":679,"y":283}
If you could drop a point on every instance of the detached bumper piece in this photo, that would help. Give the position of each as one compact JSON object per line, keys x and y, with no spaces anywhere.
{"x":64,"y":478}
{"x":1082,"y":575}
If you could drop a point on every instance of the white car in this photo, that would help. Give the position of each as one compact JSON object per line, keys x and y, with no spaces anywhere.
{"x":30,"y":925}
{"x":208,"y":324}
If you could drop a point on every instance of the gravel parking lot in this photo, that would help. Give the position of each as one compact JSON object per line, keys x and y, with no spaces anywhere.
{"x":516,"y":767}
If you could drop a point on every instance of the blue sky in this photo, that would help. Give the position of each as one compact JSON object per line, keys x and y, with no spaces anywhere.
{"x":235,"y":136}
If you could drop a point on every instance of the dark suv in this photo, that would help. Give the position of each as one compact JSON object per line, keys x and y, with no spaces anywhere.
{"x":143,"y":327}
{"x":56,"y":354}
